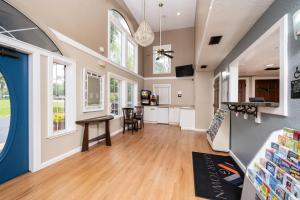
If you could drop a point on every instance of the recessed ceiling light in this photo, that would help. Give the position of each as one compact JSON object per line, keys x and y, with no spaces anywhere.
{"x":270,"y":65}
{"x":178,"y":13}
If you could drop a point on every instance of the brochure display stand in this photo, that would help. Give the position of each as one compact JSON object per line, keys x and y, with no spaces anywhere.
{"x":218,"y":133}
{"x":274,"y":173}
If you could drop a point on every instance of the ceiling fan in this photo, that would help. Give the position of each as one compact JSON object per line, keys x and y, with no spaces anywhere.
{"x":162,"y":52}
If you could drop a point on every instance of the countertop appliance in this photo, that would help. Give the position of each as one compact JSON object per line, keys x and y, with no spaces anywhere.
{"x":154,"y":100}
{"x":145,"y":97}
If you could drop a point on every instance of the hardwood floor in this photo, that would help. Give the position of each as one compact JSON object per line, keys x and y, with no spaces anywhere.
{"x":154,"y":163}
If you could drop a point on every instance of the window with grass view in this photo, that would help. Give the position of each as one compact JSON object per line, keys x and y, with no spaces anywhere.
{"x":115,"y":44}
{"x":115,"y":96}
{"x":130,"y":94}
{"x":130,"y":56}
{"x":59,"y":97}
{"x":5,"y":112}
{"x":161,"y":63}
{"x":122,"y":48}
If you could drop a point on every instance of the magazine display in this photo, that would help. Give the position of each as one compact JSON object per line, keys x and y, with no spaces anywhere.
{"x":216,"y":123}
{"x":276,"y":175}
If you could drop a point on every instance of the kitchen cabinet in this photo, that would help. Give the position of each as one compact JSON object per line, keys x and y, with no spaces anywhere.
{"x":187,"y":119}
{"x":174,"y":115}
{"x":163,"y":115}
{"x":150,"y":113}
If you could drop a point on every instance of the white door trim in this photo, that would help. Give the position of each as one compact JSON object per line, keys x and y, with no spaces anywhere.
{"x":220,"y":87}
{"x":34,"y":107}
{"x":247,"y":79}
{"x":165,"y":85}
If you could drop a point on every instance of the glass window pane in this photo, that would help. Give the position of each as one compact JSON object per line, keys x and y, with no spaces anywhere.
{"x":59,"y":102}
{"x":5,"y":112}
{"x":115,"y":96}
{"x":121,"y":20}
{"x":130,"y":56}
{"x":115,"y":46}
{"x":163,"y":64}
{"x":130,"y":95}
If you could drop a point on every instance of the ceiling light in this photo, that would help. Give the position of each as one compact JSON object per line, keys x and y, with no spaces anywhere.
{"x":272,"y":68}
{"x":144,"y":35}
{"x":269,"y":65}
{"x":178,"y":13}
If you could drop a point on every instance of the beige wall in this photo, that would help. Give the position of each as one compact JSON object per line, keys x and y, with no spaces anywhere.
{"x":84,"y":21}
{"x":182,"y":42}
{"x":203,"y":99}
{"x":52,"y":147}
{"x":184,"y":85}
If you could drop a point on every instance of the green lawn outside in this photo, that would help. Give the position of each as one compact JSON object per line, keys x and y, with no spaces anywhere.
{"x":59,"y":110}
{"x":4,"y":107}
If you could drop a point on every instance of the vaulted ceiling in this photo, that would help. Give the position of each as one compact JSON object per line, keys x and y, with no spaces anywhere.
{"x":176,"y":13}
{"x":231,"y":19}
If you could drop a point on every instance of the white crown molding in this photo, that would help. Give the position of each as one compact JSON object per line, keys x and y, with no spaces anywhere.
{"x":67,"y":40}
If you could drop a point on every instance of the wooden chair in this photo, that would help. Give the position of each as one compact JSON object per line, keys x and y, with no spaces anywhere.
{"x":128,"y":119}
{"x":139,"y":115}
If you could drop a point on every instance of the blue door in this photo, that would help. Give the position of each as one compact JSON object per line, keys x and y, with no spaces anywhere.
{"x":14,"y":159}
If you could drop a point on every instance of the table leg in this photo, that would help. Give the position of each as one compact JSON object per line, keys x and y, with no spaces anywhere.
{"x":107,"y":133}
{"x":85,"y":141}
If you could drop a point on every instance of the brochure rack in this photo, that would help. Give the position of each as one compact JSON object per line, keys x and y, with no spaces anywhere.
{"x":274,"y":173}
{"x":218,"y":134}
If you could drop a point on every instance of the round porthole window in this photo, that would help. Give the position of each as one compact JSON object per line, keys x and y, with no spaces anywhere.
{"x":5,"y":112}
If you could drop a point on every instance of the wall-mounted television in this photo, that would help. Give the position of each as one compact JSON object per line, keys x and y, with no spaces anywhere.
{"x":185,"y":70}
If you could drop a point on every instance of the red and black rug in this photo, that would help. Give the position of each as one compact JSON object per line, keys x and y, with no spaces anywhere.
{"x":217,"y":177}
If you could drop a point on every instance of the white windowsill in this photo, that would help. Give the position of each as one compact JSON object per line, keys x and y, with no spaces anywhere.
{"x":117,"y":116}
{"x":61,"y":134}
{"x":122,"y":67}
{"x":93,"y":110}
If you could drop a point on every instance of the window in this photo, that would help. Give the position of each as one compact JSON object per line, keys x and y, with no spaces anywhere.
{"x":121,"y":20}
{"x":130,"y":56}
{"x":115,"y":96}
{"x":115,"y":44}
{"x":93,"y":91}
{"x":61,"y":96}
{"x":122,"y":48}
{"x":130,"y":94}
{"x":123,"y":93}
{"x":163,"y":64}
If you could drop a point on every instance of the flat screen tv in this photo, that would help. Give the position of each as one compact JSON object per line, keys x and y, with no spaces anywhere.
{"x":185,"y":70}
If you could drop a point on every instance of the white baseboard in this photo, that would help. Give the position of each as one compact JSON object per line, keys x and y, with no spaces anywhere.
{"x":193,"y":129}
{"x":72,"y":152}
{"x":237,"y":160}
{"x":200,"y":130}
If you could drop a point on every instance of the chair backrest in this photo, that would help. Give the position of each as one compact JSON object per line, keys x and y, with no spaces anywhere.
{"x":128,"y":113}
{"x":139,"y":110}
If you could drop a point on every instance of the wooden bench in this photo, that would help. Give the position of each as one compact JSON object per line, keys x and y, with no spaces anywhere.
{"x":87,"y":122}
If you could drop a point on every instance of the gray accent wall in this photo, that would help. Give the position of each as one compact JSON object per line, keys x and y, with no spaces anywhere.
{"x":246,"y":136}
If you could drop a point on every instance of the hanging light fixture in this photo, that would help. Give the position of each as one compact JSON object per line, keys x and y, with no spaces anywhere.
{"x":144,"y":35}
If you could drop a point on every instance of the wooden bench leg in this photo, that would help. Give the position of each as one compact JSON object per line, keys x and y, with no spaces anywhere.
{"x":107,"y":134}
{"x":85,"y":141}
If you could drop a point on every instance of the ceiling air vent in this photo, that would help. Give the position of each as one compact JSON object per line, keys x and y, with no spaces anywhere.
{"x":203,"y":66}
{"x":215,"y":40}
{"x":272,"y":68}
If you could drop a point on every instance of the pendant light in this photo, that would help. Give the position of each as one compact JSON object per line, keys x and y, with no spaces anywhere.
{"x":144,"y":35}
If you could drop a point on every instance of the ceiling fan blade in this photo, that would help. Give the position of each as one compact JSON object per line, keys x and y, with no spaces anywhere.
{"x":170,"y":51}
{"x":168,"y":55}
